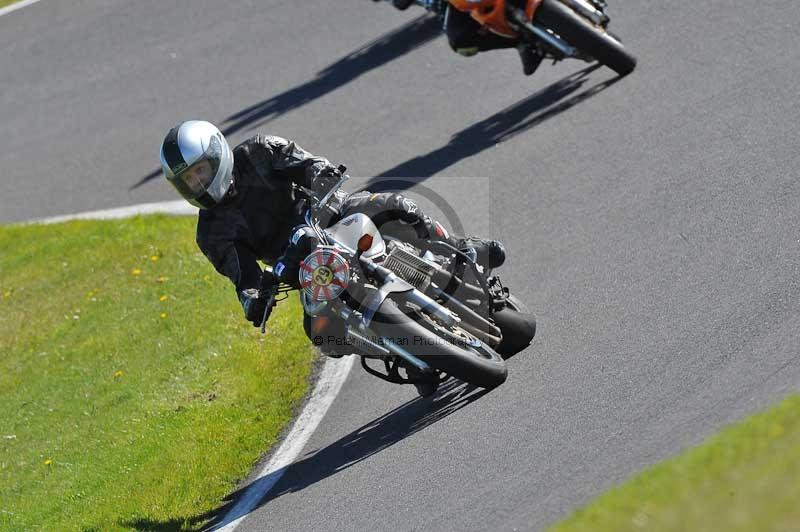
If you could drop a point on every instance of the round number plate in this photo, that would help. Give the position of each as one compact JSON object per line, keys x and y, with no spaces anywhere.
{"x":324,"y":274}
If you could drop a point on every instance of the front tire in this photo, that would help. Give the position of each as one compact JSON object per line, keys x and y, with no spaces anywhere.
{"x":476,"y":364}
{"x":590,"y":39}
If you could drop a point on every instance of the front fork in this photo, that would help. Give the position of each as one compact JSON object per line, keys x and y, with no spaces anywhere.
{"x":552,"y":41}
{"x":385,"y":349}
{"x":593,"y":10}
{"x":358,"y":323}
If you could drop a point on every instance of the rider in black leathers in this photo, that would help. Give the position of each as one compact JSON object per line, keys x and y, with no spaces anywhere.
{"x":248,"y":211}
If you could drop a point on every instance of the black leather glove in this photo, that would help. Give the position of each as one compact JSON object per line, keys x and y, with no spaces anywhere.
{"x":255,"y":300}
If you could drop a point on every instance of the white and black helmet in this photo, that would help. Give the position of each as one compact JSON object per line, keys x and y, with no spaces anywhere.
{"x":198,"y":162}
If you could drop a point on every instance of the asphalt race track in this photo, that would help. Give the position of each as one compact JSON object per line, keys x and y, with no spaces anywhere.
{"x":653,"y":222}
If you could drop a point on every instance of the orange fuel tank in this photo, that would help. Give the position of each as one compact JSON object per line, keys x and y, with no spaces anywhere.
{"x":492,"y":13}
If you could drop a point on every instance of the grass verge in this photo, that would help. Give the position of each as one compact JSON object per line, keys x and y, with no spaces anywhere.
{"x":132,"y":393}
{"x":745,"y":478}
{"x":4,"y":3}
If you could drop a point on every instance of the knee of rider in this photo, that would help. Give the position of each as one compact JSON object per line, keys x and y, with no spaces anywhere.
{"x":466,"y":51}
{"x":461,"y":32}
{"x":462,"y":44}
{"x":438,"y":231}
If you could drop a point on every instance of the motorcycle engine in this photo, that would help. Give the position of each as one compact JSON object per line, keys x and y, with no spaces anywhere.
{"x":405,"y":262}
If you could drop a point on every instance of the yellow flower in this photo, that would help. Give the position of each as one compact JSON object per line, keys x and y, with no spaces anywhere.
{"x":163,"y":315}
{"x":48,"y":462}
{"x":119,"y":373}
{"x":136,"y":271}
{"x":154,"y":258}
{"x":162,"y":298}
{"x":162,"y":279}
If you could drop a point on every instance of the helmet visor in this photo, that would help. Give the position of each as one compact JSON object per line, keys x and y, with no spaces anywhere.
{"x":194,"y":180}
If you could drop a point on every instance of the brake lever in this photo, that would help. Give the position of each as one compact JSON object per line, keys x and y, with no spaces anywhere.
{"x":267,"y":311}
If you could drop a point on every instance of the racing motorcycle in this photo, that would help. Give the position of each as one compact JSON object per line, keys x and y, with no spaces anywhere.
{"x":424,"y":315}
{"x":555,"y":29}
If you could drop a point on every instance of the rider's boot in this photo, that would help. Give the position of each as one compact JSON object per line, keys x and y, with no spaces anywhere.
{"x":490,"y":253}
{"x":530,"y":58}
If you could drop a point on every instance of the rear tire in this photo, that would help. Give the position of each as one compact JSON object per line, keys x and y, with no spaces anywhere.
{"x":588,"y":38}
{"x":479,"y":365}
{"x":518,"y":325}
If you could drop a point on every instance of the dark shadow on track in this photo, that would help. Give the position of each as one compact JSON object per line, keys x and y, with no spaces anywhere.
{"x":375,"y":54}
{"x":368,"y":440}
{"x":500,"y":127}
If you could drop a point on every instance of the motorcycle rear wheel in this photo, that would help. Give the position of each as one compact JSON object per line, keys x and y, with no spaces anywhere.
{"x":588,"y":38}
{"x":518,"y":325}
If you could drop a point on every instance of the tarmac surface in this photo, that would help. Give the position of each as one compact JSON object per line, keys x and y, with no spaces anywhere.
{"x":652,"y":222}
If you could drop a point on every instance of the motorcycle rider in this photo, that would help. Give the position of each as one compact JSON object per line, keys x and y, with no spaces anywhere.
{"x":248,"y":210}
{"x":467,"y":37}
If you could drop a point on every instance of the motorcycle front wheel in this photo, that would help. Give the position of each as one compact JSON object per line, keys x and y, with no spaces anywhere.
{"x":588,"y":38}
{"x":454,"y":352}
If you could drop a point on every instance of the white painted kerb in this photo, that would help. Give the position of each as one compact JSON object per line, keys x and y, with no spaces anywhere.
{"x":330,"y":382}
{"x":177,"y":208}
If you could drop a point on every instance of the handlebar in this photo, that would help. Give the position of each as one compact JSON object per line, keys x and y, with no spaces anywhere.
{"x":323,"y":203}
{"x":316,"y":202}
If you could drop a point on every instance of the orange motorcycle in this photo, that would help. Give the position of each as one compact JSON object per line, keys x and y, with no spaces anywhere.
{"x":554,"y":29}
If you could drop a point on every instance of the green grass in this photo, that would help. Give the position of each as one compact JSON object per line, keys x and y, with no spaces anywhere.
{"x":133,"y":394}
{"x":4,"y":3}
{"x":746,"y":478}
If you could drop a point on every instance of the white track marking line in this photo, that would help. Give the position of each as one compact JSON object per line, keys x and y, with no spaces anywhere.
{"x":178,"y":208}
{"x":13,"y":7}
{"x":330,"y":381}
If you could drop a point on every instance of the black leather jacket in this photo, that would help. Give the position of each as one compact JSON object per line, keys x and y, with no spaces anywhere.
{"x":256,"y":220}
